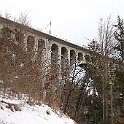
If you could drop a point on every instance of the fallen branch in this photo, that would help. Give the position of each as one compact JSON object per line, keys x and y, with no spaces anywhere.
{"x":11,"y":106}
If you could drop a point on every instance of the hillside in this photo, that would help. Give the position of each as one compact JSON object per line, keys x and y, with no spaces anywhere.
{"x":19,"y":112}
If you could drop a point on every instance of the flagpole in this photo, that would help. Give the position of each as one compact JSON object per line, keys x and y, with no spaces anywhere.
{"x":50,"y":28}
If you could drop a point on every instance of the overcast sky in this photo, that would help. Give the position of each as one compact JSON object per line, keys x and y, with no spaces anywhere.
{"x":74,"y":20}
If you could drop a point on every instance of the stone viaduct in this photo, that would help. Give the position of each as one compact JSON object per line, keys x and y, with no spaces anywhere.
{"x":34,"y":40}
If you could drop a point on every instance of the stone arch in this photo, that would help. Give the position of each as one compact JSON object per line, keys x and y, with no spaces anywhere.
{"x":72,"y":57}
{"x":19,"y":36}
{"x":80,"y":57}
{"x":5,"y":39}
{"x":6,"y":32}
{"x":30,"y":43}
{"x":64,"y":62}
{"x":54,"y":53}
{"x":87,"y":58}
{"x":41,"y":45}
{"x":64,"y":54}
{"x":54,"y":62}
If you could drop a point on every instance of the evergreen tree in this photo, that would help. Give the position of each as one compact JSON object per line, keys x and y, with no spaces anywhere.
{"x":119,"y":36}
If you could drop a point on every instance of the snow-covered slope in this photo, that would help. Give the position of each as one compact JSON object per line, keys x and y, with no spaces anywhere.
{"x":18,"y":112}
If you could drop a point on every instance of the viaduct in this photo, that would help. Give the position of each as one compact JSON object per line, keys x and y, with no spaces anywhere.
{"x":55,"y":50}
{"x":34,"y":39}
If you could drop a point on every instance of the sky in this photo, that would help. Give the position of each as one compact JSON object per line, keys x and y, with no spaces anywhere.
{"x":71,"y":20}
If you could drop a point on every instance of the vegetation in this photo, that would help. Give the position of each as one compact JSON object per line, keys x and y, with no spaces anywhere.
{"x":97,"y":96}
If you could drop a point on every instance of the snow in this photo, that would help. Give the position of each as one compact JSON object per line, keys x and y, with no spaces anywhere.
{"x":34,"y":114}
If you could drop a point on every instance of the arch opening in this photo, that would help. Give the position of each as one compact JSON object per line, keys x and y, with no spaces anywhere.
{"x":72,"y":57}
{"x":64,"y":62}
{"x":80,"y":57}
{"x":30,"y":43}
{"x":19,"y":37}
{"x":64,"y":53}
{"x":54,"y":54}
{"x":54,"y":62}
{"x":6,"y":33}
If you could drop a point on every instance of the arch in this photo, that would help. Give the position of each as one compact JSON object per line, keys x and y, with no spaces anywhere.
{"x":6,"y":32}
{"x":5,"y":39}
{"x":54,"y":53}
{"x":72,"y":57}
{"x":64,"y":62}
{"x":19,"y":36}
{"x":54,"y":61}
{"x":64,"y":53}
{"x":80,"y":57}
{"x":30,"y":43}
{"x":41,"y":45}
{"x":87,"y":58}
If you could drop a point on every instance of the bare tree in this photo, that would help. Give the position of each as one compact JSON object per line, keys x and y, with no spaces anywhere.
{"x":18,"y":72}
{"x":7,"y":15}
{"x":23,"y":19}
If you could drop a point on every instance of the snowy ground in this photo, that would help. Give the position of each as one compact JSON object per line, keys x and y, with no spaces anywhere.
{"x":26,"y":114}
